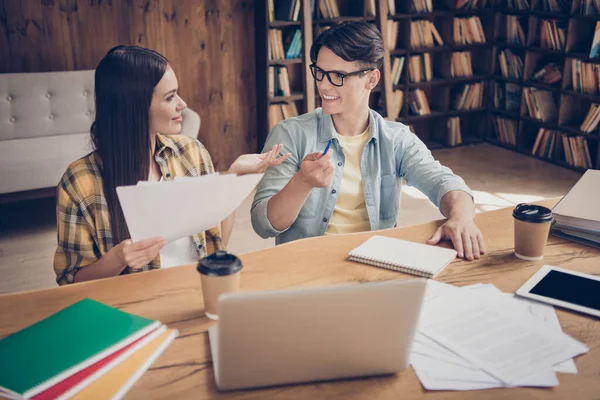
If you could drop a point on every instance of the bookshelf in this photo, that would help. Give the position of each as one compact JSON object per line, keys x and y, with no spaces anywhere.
{"x":559,"y":39}
{"x":499,"y":61}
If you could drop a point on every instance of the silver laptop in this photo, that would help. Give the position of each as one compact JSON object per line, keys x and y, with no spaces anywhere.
{"x":313,"y":334}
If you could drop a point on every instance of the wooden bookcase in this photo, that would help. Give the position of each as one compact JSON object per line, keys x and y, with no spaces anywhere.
{"x":477,"y":125}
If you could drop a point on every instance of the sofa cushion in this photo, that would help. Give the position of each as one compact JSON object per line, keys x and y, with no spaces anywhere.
{"x":34,"y":163}
{"x":46,"y":104}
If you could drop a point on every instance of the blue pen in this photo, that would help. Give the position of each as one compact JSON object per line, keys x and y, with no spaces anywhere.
{"x":326,"y":148}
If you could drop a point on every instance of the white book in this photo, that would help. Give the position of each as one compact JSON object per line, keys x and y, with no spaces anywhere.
{"x":403,"y":256}
{"x":579,"y":207}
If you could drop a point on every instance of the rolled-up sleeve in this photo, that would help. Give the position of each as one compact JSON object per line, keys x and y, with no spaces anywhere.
{"x":274,"y":180}
{"x":418,"y":167}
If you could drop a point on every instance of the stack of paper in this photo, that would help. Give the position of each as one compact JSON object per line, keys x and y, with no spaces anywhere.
{"x":477,"y":337}
{"x":87,"y":350}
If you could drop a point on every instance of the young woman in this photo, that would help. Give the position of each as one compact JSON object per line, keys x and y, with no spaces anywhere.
{"x":135,"y":137}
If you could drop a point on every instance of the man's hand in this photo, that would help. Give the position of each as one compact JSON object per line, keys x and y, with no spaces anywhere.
{"x":465,"y":235}
{"x":316,"y":171}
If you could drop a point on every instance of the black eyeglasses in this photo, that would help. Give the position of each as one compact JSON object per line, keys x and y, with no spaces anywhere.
{"x":335,"y":78}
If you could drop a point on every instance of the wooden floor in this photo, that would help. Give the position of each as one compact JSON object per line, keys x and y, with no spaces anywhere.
{"x":498,"y":177}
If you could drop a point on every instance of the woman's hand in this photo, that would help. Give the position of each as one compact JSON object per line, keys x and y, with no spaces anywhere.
{"x":258,"y":163}
{"x":138,"y":254}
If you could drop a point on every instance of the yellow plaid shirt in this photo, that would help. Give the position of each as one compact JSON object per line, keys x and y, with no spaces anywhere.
{"x":84,"y":232}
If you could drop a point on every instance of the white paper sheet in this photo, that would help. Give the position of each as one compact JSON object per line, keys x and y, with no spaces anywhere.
{"x":194,"y":205}
{"x":501,"y":345}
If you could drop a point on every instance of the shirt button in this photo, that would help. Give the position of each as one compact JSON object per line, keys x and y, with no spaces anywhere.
{"x":200,"y":246}
{"x":340,"y":164}
{"x":88,"y":113}
{"x":168,"y":175}
{"x":9,"y":98}
{"x":48,"y":95}
{"x":333,"y":191}
{"x":12,"y":119}
{"x":85,"y":93}
{"x":51,"y":116}
{"x":324,"y":219}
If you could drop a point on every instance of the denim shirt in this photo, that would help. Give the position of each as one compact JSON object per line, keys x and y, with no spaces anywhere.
{"x":392,"y":152}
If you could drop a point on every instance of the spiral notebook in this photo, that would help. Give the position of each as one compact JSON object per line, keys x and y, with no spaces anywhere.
{"x":403,"y":256}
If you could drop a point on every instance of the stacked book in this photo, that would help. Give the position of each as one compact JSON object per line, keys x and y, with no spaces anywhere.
{"x":454,"y":135}
{"x":421,"y":6}
{"x":577,"y":152}
{"x":468,"y":31}
{"x":396,"y":102}
{"x":558,"y":6}
{"x":424,"y":34}
{"x":279,"y":112}
{"x":589,"y":7}
{"x":549,"y":74}
{"x":595,"y":42}
{"x":577,"y":215}
{"x":507,"y":96}
{"x":284,"y":10}
{"x":279,"y":82}
{"x":506,"y":130}
{"x":518,"y":4}
{"x":419,"y":68}
{"x":545,"y":143}
{"x":460,"y":65}
{"x":329,"y":9}
{"x":514,"y":31}
{"x":470,"y":97}
{"x":290,"y":50}
{"x":591,"y":120}
{"x":585,"y":76}
{"x":552,"y":35}
{"x":86,"y":351}
{"x":418,"y":103}
{"x":470,"y":4}
{"x":511,"y":65}
{"x":369,"y":8}
{"x":397,"y":67}
{"x":540,"y":104}
{"x":392,"y":34}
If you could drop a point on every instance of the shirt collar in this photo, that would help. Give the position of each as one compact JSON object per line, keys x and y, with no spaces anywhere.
{"x":162,"y":142}
{"x":327,"y":130}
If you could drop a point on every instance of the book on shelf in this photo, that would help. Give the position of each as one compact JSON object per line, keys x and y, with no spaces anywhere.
{"x":557,"y":6}
{"x":396,"y":103}
{"x":461,"y":65}
{"x":391,"y":7}
{"x":552,"y":34}
{"x":589,"y":7}
{"x":591,"y":120}
{"x":548,"y":74}
{"x":454,"y":135}
{"x":396,"y":71}
{"x":511,"y":65}
{"x":545,"y":143}
{"x":470,"y":4}
{"x":419,"y":68}
{"x":577,"y":152}
{"x":468,"y":31}
{"x":506,"y":130}
{"x":470,"y":97}
{"x":522,"y":5}
{"x":507,"y":96}
{"x":369,"y":8}
{"x":585,"y":77}
{"x":284,"y":10}
{"x":280,"y":111}
{"x":421,"y":6}
{"x":418,"y":102}
{"x":595,"y":42}
{"x":329,"y":9}
{"x":281,"y":48}
{"x":279,"y":82}
{"x":392,"y":34}
{"x":423,"y":33}
{"x":514,"y":31}
{"x":540,"y":104}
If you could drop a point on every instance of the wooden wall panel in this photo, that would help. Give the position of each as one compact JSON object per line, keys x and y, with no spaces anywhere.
{"x":210,"y":45}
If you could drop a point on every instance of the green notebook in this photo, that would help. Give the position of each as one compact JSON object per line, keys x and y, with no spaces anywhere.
{"x":55,"y":348}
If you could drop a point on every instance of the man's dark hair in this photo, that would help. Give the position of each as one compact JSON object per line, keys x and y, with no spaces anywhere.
{"x":352,"y":41}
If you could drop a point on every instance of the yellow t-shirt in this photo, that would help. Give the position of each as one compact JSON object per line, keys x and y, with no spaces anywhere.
{"x":350,"y":212}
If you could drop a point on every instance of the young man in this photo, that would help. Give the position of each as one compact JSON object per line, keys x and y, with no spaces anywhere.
{"x":354,"y":186}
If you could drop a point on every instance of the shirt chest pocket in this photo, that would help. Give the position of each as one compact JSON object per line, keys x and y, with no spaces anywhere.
{"x":388,"y":196}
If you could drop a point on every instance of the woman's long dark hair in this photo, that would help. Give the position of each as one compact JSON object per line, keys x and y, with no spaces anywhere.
{"x":124,"y":80}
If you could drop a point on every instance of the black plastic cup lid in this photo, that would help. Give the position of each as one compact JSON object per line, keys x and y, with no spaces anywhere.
{"x":532,"y":213}
{"x":219,"y":263}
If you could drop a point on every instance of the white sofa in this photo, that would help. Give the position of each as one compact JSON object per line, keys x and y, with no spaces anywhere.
{"x":45,"y":121}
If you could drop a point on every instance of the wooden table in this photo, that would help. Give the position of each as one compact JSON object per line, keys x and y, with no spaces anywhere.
{"x":173,"y":296}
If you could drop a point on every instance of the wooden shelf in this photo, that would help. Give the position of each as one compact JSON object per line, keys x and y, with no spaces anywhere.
{"x":575,"y":130}
{"x":287,"y":61}
{"x":585,"y":57}
{"x":283,"y":99}
{"x":550,"y":52}
{"x":415,"y":118}
{"x":592,"y":97}
{"x":506,"y":113}
{"x":339,"y":20}
{"x":283,"y":24}
{"x":594,"y":17}
{"x":511,"y":11}
{"x":507,"y":79}
{"x":542,"y":86}
{"x":550,"y":14}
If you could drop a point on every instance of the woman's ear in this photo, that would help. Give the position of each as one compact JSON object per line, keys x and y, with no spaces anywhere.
{"x":373,"y":80}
